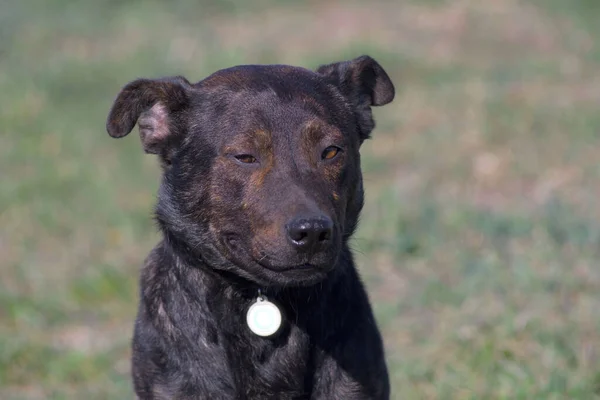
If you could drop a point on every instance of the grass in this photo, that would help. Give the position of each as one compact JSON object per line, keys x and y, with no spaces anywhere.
{"x":480,"y":239}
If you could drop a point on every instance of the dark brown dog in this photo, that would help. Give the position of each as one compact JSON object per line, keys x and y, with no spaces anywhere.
{"x":261,"y":191}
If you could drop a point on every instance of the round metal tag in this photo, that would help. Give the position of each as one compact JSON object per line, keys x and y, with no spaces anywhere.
{"x":263,"y":317}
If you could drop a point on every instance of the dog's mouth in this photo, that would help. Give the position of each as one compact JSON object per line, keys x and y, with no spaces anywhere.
{"x":300,"y":270}
{"x":285,"y":268}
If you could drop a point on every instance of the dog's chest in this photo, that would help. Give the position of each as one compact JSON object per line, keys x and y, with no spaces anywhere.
{"x":261,"y":367}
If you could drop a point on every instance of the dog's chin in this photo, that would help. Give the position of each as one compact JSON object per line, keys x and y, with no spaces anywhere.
{"x":280,"y":274}
{"x":291,"y":278}
{"x":295,"y":275}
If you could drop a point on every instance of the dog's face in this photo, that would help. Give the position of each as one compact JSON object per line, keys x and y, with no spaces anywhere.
{"x":261,"y":163}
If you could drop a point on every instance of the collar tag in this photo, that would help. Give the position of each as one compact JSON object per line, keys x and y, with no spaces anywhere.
{"x":263,"y":317}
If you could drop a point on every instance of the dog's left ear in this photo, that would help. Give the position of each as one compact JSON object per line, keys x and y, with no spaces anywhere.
{"x":364,"y":83}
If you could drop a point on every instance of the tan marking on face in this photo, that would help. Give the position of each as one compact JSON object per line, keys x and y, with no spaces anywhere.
{"x":262,"y":140}
{"x":314,"y":130}
{"x":264,"y":236}
{"x":336,"y":196}
{"x":317,"y":134}
{"x":312,"y":133}
{"x":263,"y":144}
{"x":332,"y":172}
{"x":269,"y":232}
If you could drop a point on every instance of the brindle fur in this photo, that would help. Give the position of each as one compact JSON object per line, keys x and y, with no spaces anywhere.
{"x":224,"y":233}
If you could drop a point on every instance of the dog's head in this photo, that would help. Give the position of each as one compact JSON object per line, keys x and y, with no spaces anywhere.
{"x":261,"y":163}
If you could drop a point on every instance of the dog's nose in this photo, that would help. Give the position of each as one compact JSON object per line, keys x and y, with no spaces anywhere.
{"x":310,"y":234}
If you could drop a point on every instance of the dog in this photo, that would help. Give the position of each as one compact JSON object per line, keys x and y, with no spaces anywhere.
{"x":261,"y":190}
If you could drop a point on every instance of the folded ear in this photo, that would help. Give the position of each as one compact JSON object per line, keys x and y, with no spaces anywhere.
{"x":364,"y":83}
{"x":152,"y":103}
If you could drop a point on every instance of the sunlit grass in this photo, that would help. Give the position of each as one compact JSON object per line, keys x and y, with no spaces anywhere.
{"x":480,"y":237}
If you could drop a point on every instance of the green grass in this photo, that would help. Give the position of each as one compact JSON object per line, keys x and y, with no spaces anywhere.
{"x":480,"y":238}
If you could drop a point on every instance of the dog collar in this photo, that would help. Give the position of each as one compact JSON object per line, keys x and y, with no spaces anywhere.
{"x":263,"y":317}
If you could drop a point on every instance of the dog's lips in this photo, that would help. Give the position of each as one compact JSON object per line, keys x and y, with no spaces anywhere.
{"x":285,"y":268}
{"x":237,"y":252}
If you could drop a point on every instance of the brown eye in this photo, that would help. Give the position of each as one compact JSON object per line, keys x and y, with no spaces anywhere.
{"x":246,"y":158}
{"x":330,"y":152}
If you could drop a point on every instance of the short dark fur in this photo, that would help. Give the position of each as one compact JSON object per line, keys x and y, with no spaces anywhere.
{"x":244,"y":159}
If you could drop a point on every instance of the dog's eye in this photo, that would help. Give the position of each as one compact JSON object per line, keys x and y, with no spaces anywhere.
{"x":246,"y":158}
{"x":330,"y":152}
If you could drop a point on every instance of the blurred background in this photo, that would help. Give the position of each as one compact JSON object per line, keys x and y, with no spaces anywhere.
{"x":480,"y":239}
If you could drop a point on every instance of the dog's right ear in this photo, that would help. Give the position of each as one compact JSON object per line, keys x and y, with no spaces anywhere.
{"x":153,"y":104}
